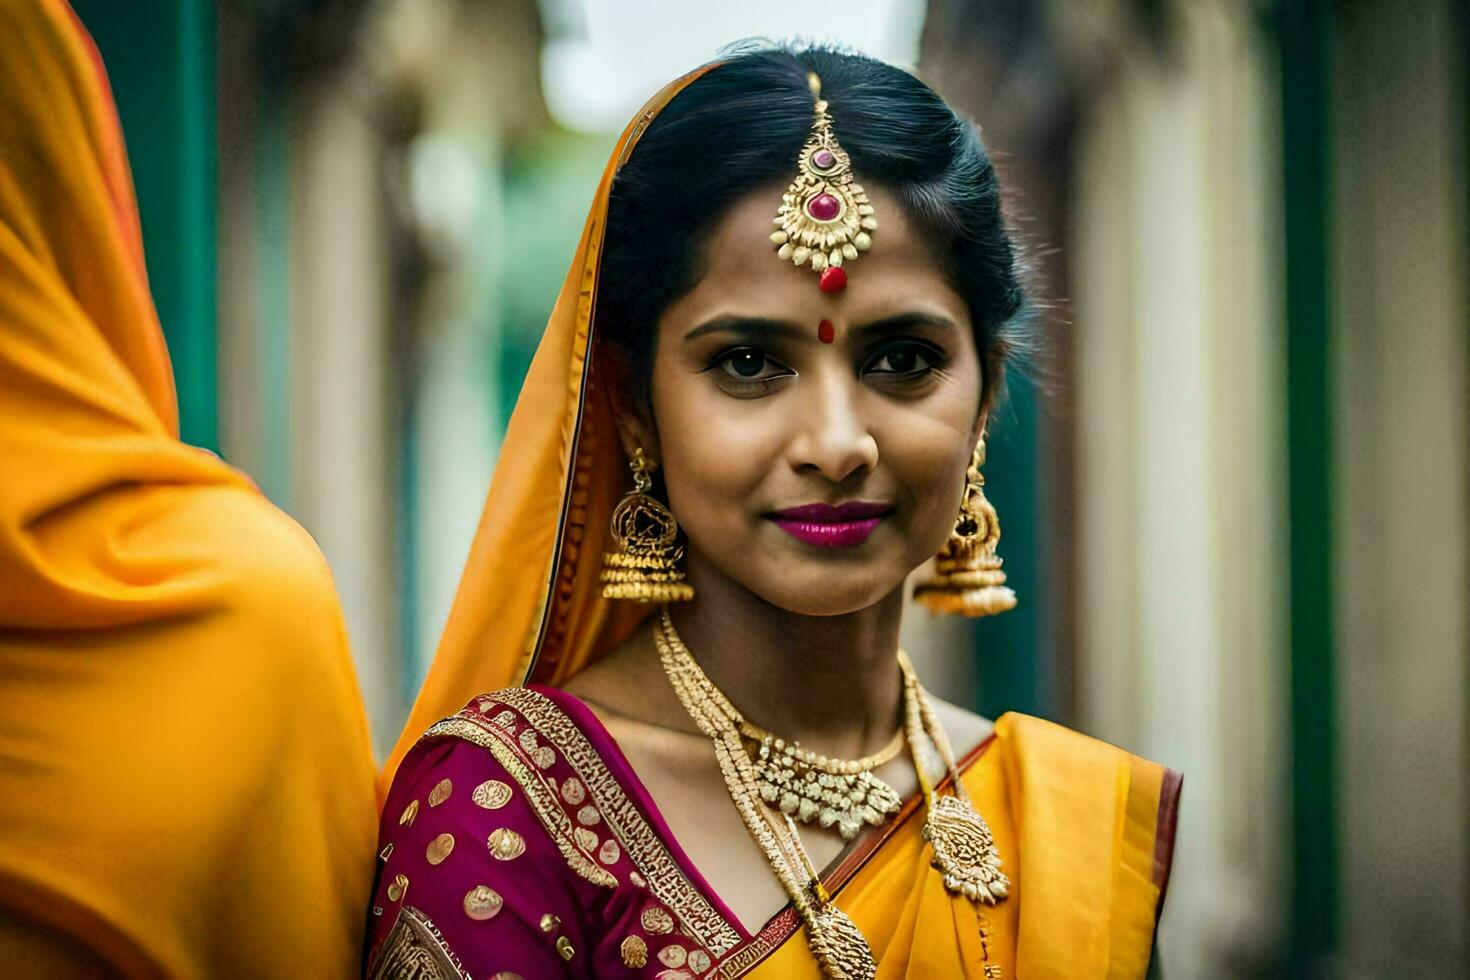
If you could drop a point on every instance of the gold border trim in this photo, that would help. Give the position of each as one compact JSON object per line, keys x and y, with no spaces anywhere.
{"x":415,"y":947}
{"x":644,"y":848}
{"x":541,"y":797}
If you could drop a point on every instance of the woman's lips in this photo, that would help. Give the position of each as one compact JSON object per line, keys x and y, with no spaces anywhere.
{"x":827,"y":526}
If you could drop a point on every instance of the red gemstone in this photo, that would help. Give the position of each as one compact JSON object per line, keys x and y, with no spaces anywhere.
{"x":834,"y":280}
{"x":825,"y":333}
{"x":824,"y":207}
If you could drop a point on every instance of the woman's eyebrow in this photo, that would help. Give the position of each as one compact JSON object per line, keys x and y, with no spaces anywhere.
{"x":752,"y":327}
{"x":903,"y":321}
{"x":758,"y":328}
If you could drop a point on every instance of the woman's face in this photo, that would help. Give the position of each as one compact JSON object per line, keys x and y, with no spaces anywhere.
{"x":815,"y":473}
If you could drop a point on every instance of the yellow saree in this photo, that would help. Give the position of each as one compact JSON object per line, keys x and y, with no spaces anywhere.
{"x":1085,"y":830}
{"x":1086,"y":834}
{"x":186,"y":783}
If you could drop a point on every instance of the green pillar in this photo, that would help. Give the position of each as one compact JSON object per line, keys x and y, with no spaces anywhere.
{"x":160,"y":57}
{"x":1014,"y":667}
{"x":1304,"y":44}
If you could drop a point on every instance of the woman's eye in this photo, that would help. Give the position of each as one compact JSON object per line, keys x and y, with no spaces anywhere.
{"x":748,"y":364}
{"x":903,"y":359}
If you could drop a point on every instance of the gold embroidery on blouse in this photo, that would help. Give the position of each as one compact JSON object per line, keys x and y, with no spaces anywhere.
{"x":544,"y":757}
{"x":405,"y":819}
{"x":698,"y":960}
{"x":760,"y":946}
{"x":549,"y":922}
{"x":439,"y":848}
{"x":415,"y":948}
{"x":586,"y":839}
{"x":656,"y":921}
{"x":639,"y":841}
{"x":609,"y":852}
{"x":553,"y":818}
{"x":440,"y":792}
{"x":635,"y":953}
{"x":572,"y":791}
{"x":673,"y":957}
{"x":588,"y":816}
{"x":492,"y":794}
{"x":564,"y":948}
{"x":397,"y":887}
{"x":482,"y":902}
{"x":505,"y":844}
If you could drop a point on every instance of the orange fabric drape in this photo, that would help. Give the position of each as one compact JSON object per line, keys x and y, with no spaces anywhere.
{"x":527,"y":608}
{"x":185,"y":773}
{"x":1079,"y":825}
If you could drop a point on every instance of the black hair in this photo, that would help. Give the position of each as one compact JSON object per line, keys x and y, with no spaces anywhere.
{"x":740,"y":126}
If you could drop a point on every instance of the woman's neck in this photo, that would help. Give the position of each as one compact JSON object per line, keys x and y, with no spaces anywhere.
{"x":829,"y":682}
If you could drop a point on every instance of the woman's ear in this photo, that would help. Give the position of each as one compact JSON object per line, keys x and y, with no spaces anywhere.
{"x":981,"y":421}
{"x":632,"y":416}
{"x":635,"y":432}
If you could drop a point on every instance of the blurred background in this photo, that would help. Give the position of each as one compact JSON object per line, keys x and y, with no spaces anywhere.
{"x":1233,"y":492}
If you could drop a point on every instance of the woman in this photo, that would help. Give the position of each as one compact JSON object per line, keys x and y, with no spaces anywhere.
{"x":790,"y":307}
{"x":186,"y":783}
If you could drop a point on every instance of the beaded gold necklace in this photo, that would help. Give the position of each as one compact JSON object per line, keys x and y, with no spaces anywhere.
{"x":963,"y":849}
{"x":816,"y":788}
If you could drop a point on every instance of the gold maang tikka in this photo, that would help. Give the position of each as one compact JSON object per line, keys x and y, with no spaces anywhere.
{"x":643,"y":563}
{"x":825,"y":218}
{"x":967,"y":578}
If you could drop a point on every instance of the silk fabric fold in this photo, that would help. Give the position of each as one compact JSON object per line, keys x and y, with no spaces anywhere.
{"x":186,"y":783}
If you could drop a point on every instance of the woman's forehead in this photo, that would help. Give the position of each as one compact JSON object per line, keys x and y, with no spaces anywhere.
{"x":741,"y":267}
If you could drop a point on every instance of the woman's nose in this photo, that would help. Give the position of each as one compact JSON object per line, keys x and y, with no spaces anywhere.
{"x":832,"y":436}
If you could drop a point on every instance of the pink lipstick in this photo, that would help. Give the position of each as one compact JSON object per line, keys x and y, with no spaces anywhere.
{"x":827,"y":526}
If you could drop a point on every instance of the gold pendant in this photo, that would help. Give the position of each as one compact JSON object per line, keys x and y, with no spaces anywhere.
{"x":840,"y":947}
{"x":846,"y":801}
{"x":964,"y":850}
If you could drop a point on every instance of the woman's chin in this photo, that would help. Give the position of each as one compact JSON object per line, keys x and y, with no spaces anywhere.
{"x":826,"y":592}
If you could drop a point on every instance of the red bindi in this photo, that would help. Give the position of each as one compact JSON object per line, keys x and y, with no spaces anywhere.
{"x":825,"y":333}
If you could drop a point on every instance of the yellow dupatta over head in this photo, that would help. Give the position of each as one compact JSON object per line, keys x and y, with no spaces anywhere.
{"x":528,"y":606}
{"x":1085,"y":828}
{"x":185,"y":772}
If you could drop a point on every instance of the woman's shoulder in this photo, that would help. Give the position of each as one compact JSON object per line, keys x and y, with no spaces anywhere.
{"x":1080,"y":788}
{"x":516,"y":759}
{"x":1093,"y":826}
{"x":516,"y":809}
{"x":1038,"y":741}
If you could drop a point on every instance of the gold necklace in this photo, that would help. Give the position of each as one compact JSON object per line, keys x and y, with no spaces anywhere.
{"x":826,"y":763}
{"x":833,"y":792}
{"x":963,"y":849}
{"x":840,"y":948}
{"x":811,"y":787}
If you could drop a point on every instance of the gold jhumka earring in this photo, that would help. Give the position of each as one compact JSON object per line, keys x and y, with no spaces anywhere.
{"x":967,"y":579}
{"x":643,"y":564}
